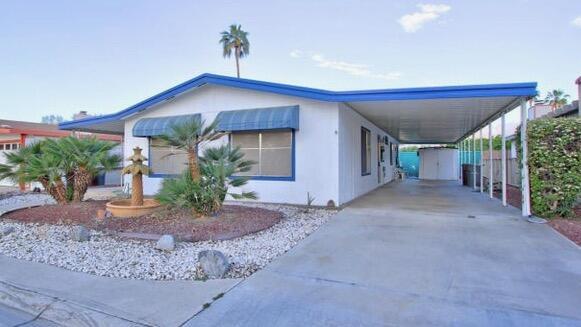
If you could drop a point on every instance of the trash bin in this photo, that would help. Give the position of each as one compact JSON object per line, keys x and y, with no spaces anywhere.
{"x":469,"y":172}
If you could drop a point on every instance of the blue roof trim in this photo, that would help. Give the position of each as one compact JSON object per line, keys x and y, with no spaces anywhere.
{"x":159,"y":125}
{"x":259,"y":119}
{"x":445,"y":92}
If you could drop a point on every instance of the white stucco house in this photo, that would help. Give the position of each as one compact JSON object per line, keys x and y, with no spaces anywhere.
{"x":334,"y":145}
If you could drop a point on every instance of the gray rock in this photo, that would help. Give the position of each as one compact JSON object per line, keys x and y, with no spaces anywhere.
{"x":166,"y":243}
{"x":214,"y":263}
{"x":80,"y":234}
{"x":7,"y":230}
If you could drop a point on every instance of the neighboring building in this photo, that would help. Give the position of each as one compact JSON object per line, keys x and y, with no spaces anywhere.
{"x":539,"y":110}
{"x":15,"y":134}
{"x":334,"y":145}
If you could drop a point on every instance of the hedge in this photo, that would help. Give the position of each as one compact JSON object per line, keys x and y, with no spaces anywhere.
{"x":554,"y":165}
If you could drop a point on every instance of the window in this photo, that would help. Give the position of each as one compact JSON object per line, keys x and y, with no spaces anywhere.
{"x":9,"y":146}
{"x":271,"y":150}
{"x":365,"y":151}
{"x":161,"y":160}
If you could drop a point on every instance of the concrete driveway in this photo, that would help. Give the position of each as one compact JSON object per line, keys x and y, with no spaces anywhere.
{"x":415,"y":253}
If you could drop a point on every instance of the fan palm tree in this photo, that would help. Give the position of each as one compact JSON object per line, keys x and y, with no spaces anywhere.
{"x":33,"y":164}
{"x":557,"y":98}
{"x":188,"y":136}
{"x":82,"y":159}
{"x":235,"y":39}
{"x":222,"y":163}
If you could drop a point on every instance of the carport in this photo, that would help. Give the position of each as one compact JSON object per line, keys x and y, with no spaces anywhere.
{"x":452,"y":115}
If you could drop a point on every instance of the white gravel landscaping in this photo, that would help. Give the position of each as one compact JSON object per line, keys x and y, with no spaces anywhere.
{"x":107,"y":255}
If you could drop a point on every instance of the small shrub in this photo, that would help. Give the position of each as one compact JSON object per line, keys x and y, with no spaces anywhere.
{"x":206,"y":195}
{"x":554,"y":165}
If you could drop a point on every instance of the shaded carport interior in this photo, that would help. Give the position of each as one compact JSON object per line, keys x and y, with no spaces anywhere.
{"x":433,"y":121}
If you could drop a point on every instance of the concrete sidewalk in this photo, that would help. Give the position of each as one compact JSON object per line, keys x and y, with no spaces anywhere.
{"x":415,"y":254}
{"x":76,"y":299}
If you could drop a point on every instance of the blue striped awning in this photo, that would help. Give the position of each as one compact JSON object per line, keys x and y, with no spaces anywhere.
{"x":159,"y":125}
{"x":259,"y":119}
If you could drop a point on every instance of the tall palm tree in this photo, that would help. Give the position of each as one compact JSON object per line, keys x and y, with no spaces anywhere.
{"x":235,"y":39}
{"x":557,"y":98}
{"x":188,"y":136}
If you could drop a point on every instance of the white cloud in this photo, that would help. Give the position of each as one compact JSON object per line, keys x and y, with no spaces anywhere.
{"x":351,"y":68}
{"x":296,"y":53}
{"x":576,"y":21}
{"x":427,"y":13}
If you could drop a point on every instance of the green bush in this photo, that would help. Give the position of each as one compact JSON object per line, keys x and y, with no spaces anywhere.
{"x":206,"y":195}
{"x":554,"y":165}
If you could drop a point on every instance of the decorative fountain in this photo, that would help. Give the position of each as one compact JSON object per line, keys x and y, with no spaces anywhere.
{"x":137,"y":205}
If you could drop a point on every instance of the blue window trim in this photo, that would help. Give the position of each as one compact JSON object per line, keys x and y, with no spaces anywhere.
{"x":290,"y":178}
{"x":368,"y":131}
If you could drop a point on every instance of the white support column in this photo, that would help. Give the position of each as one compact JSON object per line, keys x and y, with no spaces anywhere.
{"x":490,"y":162}
{"x":481,"y":154}
{"x":468,"y":159}
{"x":503,"y":158}
{"x":461,"y":162}
{"x":474,"y":161}
{"x":525,"y":190}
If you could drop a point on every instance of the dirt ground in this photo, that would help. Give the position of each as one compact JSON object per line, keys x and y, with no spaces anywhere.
{"x":233,"y":221}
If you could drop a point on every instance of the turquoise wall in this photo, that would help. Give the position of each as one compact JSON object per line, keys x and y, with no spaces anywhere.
{"x":410,"y":161}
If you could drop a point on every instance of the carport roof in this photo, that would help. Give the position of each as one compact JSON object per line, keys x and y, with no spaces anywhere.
{"x":412,"y":115}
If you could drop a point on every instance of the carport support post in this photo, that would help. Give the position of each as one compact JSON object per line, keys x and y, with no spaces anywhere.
{"x":461,"y":160}
{"x":481,"y":175}
{"x":474,"y":160}
{"x":525,"y":190}
{"x":503,"y":156}
{"x":490,"y":191}
{"x":468,"y":153}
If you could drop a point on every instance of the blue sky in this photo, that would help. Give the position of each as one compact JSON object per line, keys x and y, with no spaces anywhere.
{"x":64,"y":56}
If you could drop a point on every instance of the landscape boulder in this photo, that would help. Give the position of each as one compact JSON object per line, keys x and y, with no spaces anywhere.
{"x":6,"y":230}
{"x":166,"y":243}
{"x":214,"y":263}
{"x":80,"y":234}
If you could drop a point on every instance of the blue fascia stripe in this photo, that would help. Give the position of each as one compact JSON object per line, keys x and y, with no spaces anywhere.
{"x":445,"y":92}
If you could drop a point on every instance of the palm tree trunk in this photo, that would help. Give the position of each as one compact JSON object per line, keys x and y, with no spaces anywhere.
{"x":82,"y":180}
{"x":193,"y":164}
{"x":237,"y":55}
{"x":137,"y":190}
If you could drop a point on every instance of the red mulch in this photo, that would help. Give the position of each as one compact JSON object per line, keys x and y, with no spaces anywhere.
{"x":233,"y":221}
{"x":568,"y":227}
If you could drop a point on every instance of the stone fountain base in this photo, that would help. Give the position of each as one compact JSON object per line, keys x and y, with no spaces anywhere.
{"x":124,"y":209}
